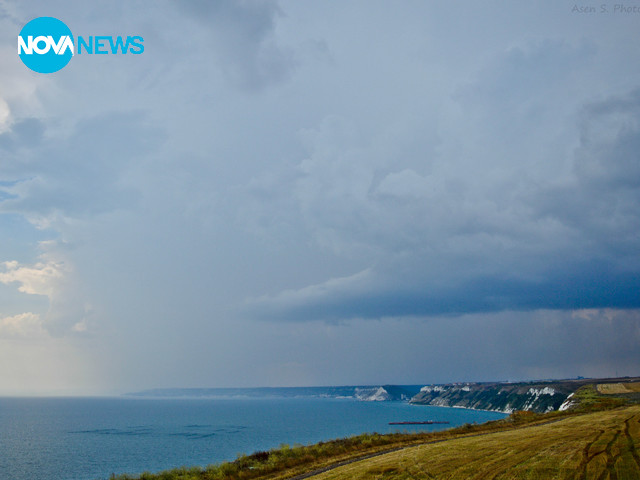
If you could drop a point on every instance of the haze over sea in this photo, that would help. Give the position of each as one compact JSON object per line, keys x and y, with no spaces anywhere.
{"x":91,"y":438}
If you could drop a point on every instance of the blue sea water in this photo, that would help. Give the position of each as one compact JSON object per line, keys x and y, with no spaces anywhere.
{"x":91,"y":438}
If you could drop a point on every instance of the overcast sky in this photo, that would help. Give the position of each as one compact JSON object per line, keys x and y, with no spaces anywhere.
{"x":319,"y":193}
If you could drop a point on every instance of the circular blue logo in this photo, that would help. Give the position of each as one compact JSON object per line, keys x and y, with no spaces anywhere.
{"x":45,"y":45}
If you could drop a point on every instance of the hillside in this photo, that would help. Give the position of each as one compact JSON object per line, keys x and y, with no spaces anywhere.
{"x":508,"y":397}
{"x":598,"y":445}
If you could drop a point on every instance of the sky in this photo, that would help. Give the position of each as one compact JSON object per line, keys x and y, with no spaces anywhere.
{"x":294,"y":193}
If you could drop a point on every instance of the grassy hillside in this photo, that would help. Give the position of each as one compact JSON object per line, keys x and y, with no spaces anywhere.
{"x":596,"y":445}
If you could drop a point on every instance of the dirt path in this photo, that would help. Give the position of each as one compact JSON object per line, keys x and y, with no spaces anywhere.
{"x":347,"y":462}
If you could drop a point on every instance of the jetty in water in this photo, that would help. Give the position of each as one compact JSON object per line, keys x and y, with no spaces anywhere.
{"x":427,"y":422}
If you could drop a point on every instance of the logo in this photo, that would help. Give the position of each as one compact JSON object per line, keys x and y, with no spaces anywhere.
{"x":46,"y":45}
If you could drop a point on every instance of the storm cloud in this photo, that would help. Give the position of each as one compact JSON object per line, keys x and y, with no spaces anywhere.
{"x":300,"y":193}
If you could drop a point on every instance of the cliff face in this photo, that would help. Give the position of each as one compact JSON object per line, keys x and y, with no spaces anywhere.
{"x":386,"y":393}
{"x":502,"y":397}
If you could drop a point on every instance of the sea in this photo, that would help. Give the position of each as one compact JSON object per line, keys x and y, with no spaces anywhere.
{"x":93,"y":438}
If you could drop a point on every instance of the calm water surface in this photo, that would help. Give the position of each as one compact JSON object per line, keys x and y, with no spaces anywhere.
{"x":91,"y":438}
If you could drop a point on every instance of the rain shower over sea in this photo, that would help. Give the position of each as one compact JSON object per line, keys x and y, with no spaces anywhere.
{"x":91,"y":438}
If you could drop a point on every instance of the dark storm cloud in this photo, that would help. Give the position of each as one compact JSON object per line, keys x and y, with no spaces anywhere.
{"x":564,"y":242}
{"x":568,"y":287}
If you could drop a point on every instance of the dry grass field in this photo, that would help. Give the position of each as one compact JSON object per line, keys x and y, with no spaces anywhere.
{"x":618,"y":388}
{"x":601,"y":445}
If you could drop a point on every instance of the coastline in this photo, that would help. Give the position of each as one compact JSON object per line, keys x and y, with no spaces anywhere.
{"x":461,"y":407}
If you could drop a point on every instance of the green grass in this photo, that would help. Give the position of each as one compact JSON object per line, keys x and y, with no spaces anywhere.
{"x":590,"y":399}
